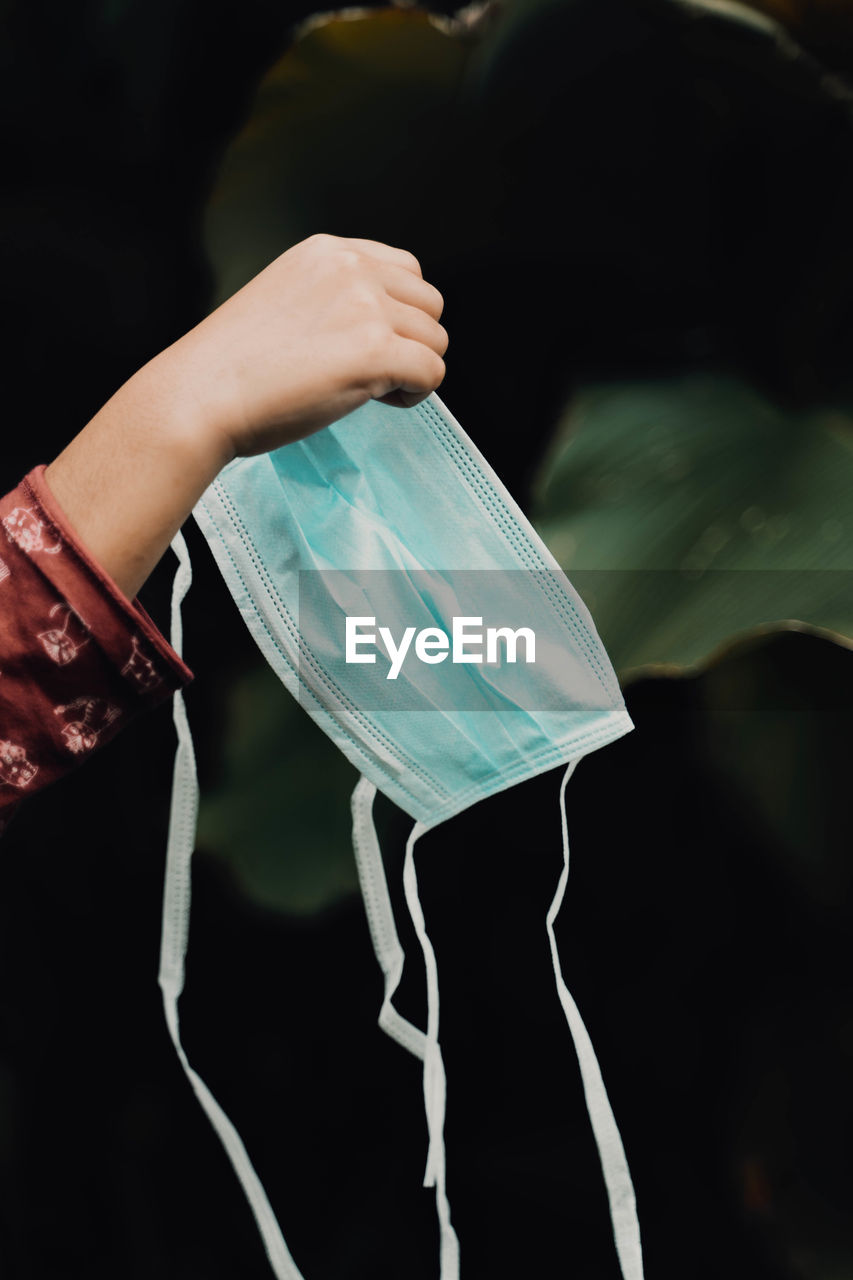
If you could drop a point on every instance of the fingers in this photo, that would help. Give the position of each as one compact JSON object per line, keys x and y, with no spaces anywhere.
{"x":410,"y":288}
{"x":402,"y":399}
{"x":384,"y":253}
{"x":399,"y":272}
{"x":398,"y":315}
{"x":415,"y":369}
{"x":396,"y":271}
{"x":413,"y":323}
{"x":414,"y":308}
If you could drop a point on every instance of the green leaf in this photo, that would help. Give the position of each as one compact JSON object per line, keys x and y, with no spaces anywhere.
{"x":279,"y":814}
{"x":344,"y":134}
{"x":691,"y":510}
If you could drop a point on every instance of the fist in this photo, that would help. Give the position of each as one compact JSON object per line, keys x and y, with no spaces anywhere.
{"x":329,"y":325}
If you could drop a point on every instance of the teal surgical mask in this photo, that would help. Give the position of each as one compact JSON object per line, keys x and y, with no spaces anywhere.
{"x":400,"y":594}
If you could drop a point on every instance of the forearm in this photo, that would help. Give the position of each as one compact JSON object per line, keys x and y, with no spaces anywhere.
{"x":131,"y":477}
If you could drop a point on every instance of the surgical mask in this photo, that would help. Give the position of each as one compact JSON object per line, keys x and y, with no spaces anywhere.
{"x":400,"y":594}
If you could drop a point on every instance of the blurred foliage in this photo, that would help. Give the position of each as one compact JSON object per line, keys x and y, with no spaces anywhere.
{"x":691,"y":510}
{"x":279,"y":813}
{"x":344,"y":137}
{"x":823,"y":27}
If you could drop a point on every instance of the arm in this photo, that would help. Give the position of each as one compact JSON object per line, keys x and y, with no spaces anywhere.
{"x":330,"y":324}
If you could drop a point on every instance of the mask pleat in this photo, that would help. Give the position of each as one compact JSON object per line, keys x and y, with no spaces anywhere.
{"x":435,"y":1090}
{"x":614,"y":1165}
{"x":173,"y":945}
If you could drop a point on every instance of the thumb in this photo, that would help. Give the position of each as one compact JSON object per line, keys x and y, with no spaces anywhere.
{"x":400,"y":399}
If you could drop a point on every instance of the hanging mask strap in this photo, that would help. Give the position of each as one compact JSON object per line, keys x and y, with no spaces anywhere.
{"x":173,"y":945}
{"x":389,"y":953}
{"x":435,"y":1089}
{"x":380,"y":917}
{"x":614,"y":1165}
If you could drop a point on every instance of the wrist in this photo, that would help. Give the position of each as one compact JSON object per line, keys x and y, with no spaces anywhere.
{"x":174,"y":421}
{"x":132,"y":476}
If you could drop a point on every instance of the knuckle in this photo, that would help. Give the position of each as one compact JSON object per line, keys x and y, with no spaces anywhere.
{"x":376,"y":336}
{"x":369,"y":301}
{"x":409,"y":260}
{"x":348,"y":262}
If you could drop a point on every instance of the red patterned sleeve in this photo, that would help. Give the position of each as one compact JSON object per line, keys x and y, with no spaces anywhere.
{"x":78,"y":660}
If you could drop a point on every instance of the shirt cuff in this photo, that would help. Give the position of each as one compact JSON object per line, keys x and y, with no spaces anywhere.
{"x":78,"y":660}
{"x":123,"y":626}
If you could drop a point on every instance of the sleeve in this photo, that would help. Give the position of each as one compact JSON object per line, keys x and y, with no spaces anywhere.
{"x":78,"y":660}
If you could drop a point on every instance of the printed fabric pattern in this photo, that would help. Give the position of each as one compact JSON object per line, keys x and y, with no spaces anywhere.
{"x":78,"y":660}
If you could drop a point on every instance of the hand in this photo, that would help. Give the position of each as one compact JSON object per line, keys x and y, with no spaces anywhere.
{"x":326,"y":327}
{"x":329,"y":325}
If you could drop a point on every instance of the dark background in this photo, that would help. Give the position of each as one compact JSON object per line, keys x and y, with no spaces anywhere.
{"x":602,"y":191}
